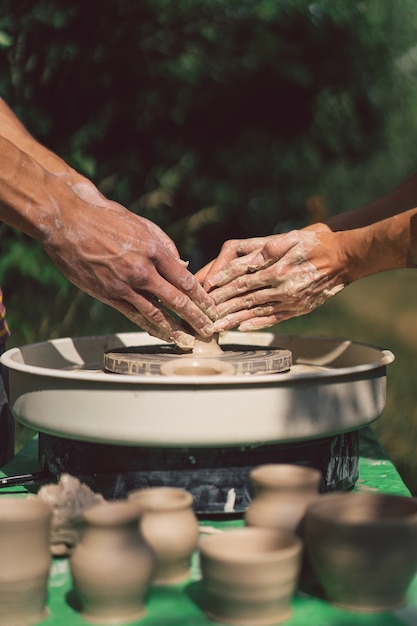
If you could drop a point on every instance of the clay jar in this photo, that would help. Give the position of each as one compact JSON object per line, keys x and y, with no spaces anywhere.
{"x":112,"y":566}
{"x":363,"y":548}
{"x":282,"y":493}
{"x":249,"y":575}
{"x":170,"y":526}
{"x":25,"y":560}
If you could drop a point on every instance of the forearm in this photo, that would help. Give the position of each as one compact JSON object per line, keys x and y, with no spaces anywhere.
{"x":13,"y":130}
{"x":384,"y":245}
{"x":400,"y":199}
{"x":31,"y":198}
{"x":107,"y":251}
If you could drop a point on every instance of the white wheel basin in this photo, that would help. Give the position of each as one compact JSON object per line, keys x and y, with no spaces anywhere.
{"x":334,"y":386}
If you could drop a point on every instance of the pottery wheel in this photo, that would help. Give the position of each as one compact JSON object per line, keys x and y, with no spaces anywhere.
{"x":244,"y":359}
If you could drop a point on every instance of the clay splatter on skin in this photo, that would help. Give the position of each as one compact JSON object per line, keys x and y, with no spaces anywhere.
{"x":89,"y":193}
{"x":277,"y":280}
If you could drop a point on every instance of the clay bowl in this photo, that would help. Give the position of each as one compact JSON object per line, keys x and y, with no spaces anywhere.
{"x":249,"y":575}
{"x":363,"y":548}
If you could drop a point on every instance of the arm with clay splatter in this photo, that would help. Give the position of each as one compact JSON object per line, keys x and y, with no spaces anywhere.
{"x":259,"y":282}
{"x":109,"y":252}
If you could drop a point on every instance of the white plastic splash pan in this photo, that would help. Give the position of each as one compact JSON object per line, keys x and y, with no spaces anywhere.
{"x":59,"y":387}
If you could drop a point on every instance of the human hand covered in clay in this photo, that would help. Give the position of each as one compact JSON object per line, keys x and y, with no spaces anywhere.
{"x":107,"y":251}
{"x":258,"y":282}
{"x":129,"y":263}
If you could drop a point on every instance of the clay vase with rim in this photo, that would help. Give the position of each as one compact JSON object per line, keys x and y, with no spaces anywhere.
{"x":170,"y":526}
{"x":25,"y":560}
{"x":112,"y":566}
{"x":249,"y":575}
{"x":281,"y":494}
{"x":363,"y":548}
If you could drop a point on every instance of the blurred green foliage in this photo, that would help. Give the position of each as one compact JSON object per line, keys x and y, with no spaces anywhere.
{"x":213,"y":118}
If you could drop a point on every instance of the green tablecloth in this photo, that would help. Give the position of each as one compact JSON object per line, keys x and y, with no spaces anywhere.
{"x":181,"y":605}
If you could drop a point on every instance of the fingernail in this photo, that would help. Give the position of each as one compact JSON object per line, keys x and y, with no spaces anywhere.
{"x":221,"y":324}
{"x":213,"y":280}
{"x":257,"y":261}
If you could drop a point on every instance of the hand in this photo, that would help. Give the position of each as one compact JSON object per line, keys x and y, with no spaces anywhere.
{"x":258,"y":282}
{"x":107,"y":251}
{"x":129,"y":263}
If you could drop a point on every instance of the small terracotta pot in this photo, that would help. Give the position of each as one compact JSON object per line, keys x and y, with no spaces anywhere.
{"x":282,"y":493}
{"x":112,"y":566}
{"x":25,"y":560}
{"x":363,"y":548}
{"x":249,"y":575}
{"x":170,"y":526}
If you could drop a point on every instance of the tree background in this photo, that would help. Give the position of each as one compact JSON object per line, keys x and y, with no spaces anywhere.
{"x":213,"y":118}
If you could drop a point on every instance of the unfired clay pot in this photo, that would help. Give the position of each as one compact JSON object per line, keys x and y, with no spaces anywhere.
{"x":249,"y":575}
{"x":25,"y":560}
{"x":363,"y":548}
{"x":112,"y":566}
{"x":281,"y":495}
{"x":170,"y":526}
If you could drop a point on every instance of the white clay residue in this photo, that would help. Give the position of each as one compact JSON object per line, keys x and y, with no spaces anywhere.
{"x":88,"y":192}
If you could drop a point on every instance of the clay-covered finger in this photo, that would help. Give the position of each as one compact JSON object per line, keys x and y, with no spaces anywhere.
{"x":230,"y":271}
{"x":254,"y":319}
{"x":230,"y":263}
{"x":259,"y":323}
{"x":179,"y":289}
{"x":248,"y":283}
{"x":152,"y":317}
{"x":203,"y":272}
